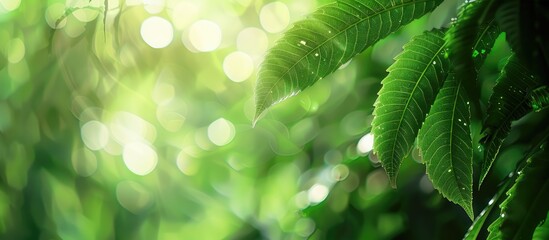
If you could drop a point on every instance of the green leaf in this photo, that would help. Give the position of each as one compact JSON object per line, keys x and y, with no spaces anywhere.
{"x":407,"y":94}
{"x":537,"y":143}
{"x":495,"y":233}
{"x":525,"y":25}
{"x":328,"y":38}
{"x":542,"y":231}
{"x":470,"y":39}
{"x":447,"y":147}
{"x":509,"y":102}
{"x":478,"y":224}
{"x":526,"y":204}
{"x":540,"y":98}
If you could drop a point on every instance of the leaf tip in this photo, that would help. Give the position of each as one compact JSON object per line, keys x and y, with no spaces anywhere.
{"x":258,"y":115}
{"x":482,"y":177}
{"x":393,"y":185}
{"x":468,"y":207}
{"x":393,"y":182}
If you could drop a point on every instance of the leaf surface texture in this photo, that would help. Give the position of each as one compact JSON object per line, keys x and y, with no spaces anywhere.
{"x":406,"y":96}
{"x":328,"y":38}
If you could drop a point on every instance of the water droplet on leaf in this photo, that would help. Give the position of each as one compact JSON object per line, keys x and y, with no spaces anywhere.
{"x":475,"y":53}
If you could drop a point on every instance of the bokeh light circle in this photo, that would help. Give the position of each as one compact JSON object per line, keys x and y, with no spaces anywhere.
{"x":274,"y":17}
{"x":238,"y":66}
{"x":157,"y":32}
{"x":95,"y":135}
{"x":252,"y":41}
{"x":365,"y":144}
{"x":205,"y":35}
{"x":221,"y":132}
{"x":140,"y":158}
{"x":9,"y":5}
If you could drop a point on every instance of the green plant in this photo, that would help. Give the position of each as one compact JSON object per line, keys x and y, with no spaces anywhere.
{"x":431,"y":95}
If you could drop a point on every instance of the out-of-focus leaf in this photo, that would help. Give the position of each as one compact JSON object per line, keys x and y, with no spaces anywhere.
{"x":406,"y":97}
{"x":446,"y":144}
{"x":526,"y":206}
{"x":509,"y":102}
{"x":470,"y":40}
{"x":328,"y":38}
{"x":542,"y":231}
{"x":524,"y":23}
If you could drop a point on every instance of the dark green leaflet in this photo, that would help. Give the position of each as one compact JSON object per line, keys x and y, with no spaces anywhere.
{"x":407,"y":94}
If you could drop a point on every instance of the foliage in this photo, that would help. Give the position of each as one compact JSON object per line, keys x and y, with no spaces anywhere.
{"x":130,"y":119}
{"x":429,"y":90}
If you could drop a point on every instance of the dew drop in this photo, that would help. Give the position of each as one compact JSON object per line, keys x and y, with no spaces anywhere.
{"x":434,"y":62}
{"x":459,"y":119}
{"x":303,"y":42}
{"x":316,"y":54}
{"x":475,"y":53}
{"x":491,"y":202}
{"x":449,"y":170}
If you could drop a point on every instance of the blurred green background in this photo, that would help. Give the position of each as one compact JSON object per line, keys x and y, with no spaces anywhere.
{"x":135,"y":123}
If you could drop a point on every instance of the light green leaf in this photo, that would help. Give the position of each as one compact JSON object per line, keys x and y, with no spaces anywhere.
{"x":509,"y":102}
{"x":495,"y":233}
{"x":540,"y":98}
{"x":447,"y":147}
{"x":328,"y":38}
{"x":406,"y":97}
{"x":526,"y":206}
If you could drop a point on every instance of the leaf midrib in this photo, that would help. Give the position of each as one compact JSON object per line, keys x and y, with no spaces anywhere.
{"x":508,"y":118}
{"x":463,"y":196}
{"x":262,"y":105}
{"x":398,"y":129}
{"x":479,"y":37}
